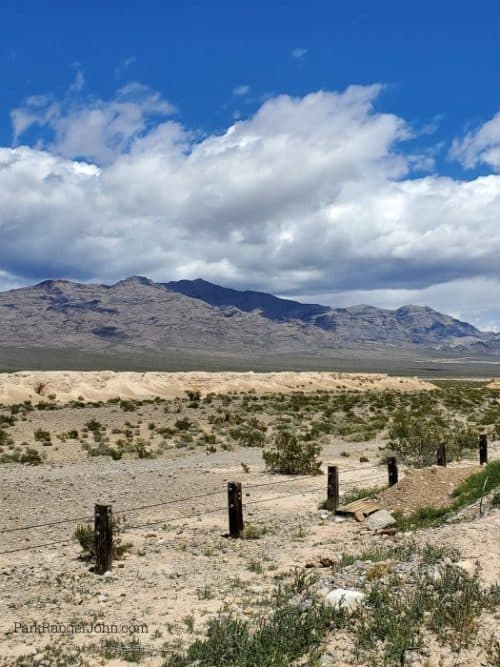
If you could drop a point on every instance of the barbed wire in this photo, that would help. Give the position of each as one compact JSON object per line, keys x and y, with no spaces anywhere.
{"x":172,"y":501}
{"x":35,"y":546}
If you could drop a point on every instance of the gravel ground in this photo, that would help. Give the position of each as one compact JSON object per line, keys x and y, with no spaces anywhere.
{"x":178,"y":572}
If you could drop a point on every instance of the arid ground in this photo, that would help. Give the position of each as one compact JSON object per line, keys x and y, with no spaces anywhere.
{"x":160,"y":448}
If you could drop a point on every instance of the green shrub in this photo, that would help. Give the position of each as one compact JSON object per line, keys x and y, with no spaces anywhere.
{"x":414,"y":437}
{"x":275,"y":640}
{"x":42,"y":436}
{"x":183,"y":424}
{"x":29,"y":455}
{"x":5,"y":439}
{"x":247,"y":436}
{"x":290,"y":457}
{"x":85,"y":535}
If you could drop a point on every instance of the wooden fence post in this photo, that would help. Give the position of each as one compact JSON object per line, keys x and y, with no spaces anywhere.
{"x":441,"y":454}
{"x":235,"y":507}
{"x":332,"y":489}
{"x":483,"y":448}
{"x":103,"y":536}
{"x":392,"y":470}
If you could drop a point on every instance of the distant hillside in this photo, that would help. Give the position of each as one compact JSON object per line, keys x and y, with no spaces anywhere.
{"x":138,"y":314}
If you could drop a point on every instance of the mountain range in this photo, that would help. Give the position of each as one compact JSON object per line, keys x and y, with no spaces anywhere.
{"x":196,"y":315}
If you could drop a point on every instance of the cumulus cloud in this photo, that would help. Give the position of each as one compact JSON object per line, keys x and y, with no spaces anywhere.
{"x":92,"y":129}
{"x":311,"y":195}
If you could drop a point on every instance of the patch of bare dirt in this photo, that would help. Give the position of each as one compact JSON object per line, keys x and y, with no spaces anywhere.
{"x":426,"y":487}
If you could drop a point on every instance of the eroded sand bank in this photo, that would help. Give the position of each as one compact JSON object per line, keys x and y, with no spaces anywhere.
{"x":66,"y":386}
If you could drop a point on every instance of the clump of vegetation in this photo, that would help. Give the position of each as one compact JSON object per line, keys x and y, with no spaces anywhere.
{"x":18,"y":455}
{"x":85,"y":535}
{"x":183,"y":424}
{"x":477,"y":485}
{"x":102,"y":449}
{"x":395,"y":614}
{"x":434,"y":596}
{"x":358,"y":493}
{"x":290,"y":457}
{"x":414,"y":438}
{"x":43,"y":437}
{"x":254,"y":532}
{"x":5,"y":439}
{"x":131,"y":650}
{"x":246,"y":436}
{"x":275,"y":640}
{"x":128,"y":406}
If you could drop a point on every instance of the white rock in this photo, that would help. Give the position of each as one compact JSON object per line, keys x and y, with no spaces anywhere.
{"x":324,"y":514}
{"x":468,"y":565}
{"x":344,"y":598}
{"x":380,"y":520}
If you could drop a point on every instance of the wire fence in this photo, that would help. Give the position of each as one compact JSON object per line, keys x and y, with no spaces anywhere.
{"x":86,"y":518}
{"x":378,"y":480}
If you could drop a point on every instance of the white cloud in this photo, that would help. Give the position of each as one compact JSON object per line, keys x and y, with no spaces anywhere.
{"x":241,"y":91}
{"x":93,"y":129}
{"x":78,"y":82}
{"x":309,"y":196}
{"x":124,"y":65}
{"x":481,"y":146}
{"x":298,"y":53}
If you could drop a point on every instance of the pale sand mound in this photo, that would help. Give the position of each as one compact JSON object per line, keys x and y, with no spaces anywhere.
{"x":494,"y":384}
{"x":66,"y":386}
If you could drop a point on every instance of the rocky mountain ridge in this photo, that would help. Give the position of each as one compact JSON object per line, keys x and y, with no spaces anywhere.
{"x":137,"y":313}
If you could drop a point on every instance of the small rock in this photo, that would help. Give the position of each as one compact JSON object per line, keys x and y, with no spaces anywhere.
{"x":380,"y":520}
{"x":344,"y":598}
{"x":468,"y":565}
{"x":359,"y":516}
{"x":324,"y":561}
{"x":256,"y":589}
{"x":324,"y":514}
{"x":304,"y":605}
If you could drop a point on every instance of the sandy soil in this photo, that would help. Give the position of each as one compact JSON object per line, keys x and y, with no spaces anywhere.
{"x":102,"y":385}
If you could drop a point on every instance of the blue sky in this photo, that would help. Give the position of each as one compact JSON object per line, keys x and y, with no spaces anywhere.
{"x":340,"y":152}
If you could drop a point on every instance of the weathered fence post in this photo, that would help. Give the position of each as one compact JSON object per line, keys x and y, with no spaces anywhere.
{"x":392,"y":470}
{"x":235,"y":507}
{"x":483,"y":448}
{"x":332,"y":489}
{"x":103,"y":536}
{"x":441,"y":454}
